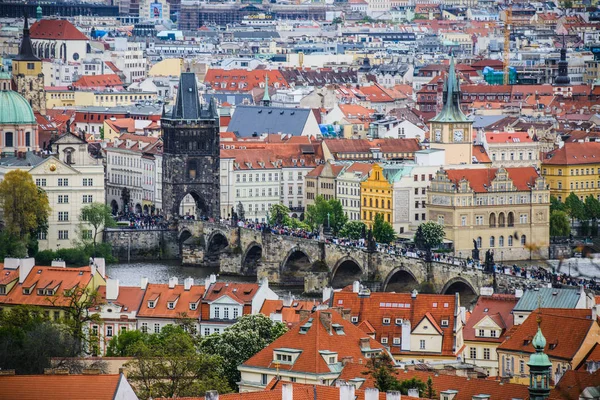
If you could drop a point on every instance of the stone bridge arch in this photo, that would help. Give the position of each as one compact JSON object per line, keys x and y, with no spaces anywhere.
{"x":217,"y":241}
{"x":295,"y":265}
{"x":401,"y":280}
{"x":468,"y":294}
{"x":251,"y":258}
{"x":346,"y":270}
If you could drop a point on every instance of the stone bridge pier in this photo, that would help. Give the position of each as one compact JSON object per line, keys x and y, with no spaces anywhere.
{"x":313,"y":264}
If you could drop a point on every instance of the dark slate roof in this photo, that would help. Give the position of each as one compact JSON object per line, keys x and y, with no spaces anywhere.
{"x":248,"y":120}
{"x":26,"y":48}
{"x":187,"y":105}
{"x":30,"y":160}
{"x":318,"y":77}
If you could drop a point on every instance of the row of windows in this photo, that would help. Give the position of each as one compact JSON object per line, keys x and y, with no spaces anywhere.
{"x":261,"y":177}
{"x":487,"y":354}
{"x":371,"y":216}
{"x":389,"y":203}
{"x":226,"y":314}
{"x":512,"y":156}
{"x":63,"y":182}
{"x":10,"y":142}
{"x":492,"y":241}
{"x":256,"y":192}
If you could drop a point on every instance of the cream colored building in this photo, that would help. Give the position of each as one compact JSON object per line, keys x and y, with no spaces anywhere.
{"x":348,"y":188}
{"x":502,"y":210}
{"x":72,"y":180}
{"x":321,"y":181}
{"x":62,"y":97}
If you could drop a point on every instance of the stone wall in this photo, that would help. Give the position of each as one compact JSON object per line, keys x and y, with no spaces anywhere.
{"x":143,"y":244}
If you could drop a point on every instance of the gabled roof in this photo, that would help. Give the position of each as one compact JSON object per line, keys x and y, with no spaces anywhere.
{"x":130,"y":297}
{"x":467,"y":388}
{"x":508,"y":137}
{"x":56,"y":29}
{"x":496,"y":307}
{"x":379,"y":305}
{"x":161,"y":294}
{"x":573,"y":383}
{"x":577,"y":153}
{"x":312,"y":336}
{"x":241,"y":79}
{"x":257,"y":120}
{"x":340,"y":146}
{"x":290,"y":314}
{"x":59,"y":387}
{"x":243,"y":293}
{"x":94,"y":81}
{"x":8,"y":275}
{"x":553,"y":324}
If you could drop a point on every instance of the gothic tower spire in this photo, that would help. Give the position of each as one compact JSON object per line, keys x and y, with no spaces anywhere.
{"x":563,"y":67}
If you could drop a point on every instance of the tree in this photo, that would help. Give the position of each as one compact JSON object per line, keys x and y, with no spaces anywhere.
{"x":556,"y":204}
{"x":381,"y":369}
{"x":278,"y":214}
{"x":167,"y":364}
{"x":559,"y":223}
{"x":240,"y":211}
{"x":592,"y":211}
{"x":574,"y":207}
{"x":429,"y":391}
{"x":122,"y":345}
{"x":25,"y":209}
{"x":432,"y":234}
{"x":353,"y":230}
{"x":242,"y":340}
{"x":99,"y":216}
{"x":324,"y":211}
{"x":383,"y":231}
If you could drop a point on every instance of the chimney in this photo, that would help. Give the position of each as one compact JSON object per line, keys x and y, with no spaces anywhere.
{"x":58,"y":264}
{"x":25,"y":267}
{"x":347,"y":392}
{"x":206,"y":283}
{"x":413,"y":392}
{"x":325,"y":318}
{"x":394,"y":395}
{"x":371,"y":394}
{"x":5,"y":372}
{"x":213,"y":278}
{"x":414,"y":294}
{"x":112,"y":289}
{"x":355,"y":287}
{"x":304,"y":314}
{"x":100,"y":266}
{"x":287,"y":391}
{"x":91,"y":371}
{"x":405,"y":343}
{"x":347,"y":360}
{"x":327,"y":293}
{"x":449,"y":394}
{"x":518,"y":293}
{"x":346,"y":314}
{"x":211,"y":395}
{"x":173,"y":282}
{"x":144,"y":283}
{"x":364,"y":343}
{"x":188,"y":283}
{"x":287,"y":299}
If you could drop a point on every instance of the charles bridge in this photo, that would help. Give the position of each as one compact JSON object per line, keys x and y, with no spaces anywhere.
{"x":313,"y":264}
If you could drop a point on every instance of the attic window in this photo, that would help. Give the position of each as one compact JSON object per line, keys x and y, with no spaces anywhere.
{"x":171,"y":305}
{"x":193,"y":306}
{"x":354,"y":319}
{"x":444,"y":322}
{"x":26,"y":290}
{"x":399,"y":321}
{"x":151,"y":304}
{"x":386,"y":321}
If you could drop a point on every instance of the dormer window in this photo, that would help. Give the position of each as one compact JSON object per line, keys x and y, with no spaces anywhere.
{"x":493,"y":333}
{"x":386,"y":321}
{"x":399,"y":321}
{"x":151,"y":304}
{"x":354,"y":319}
{"x":26,"y":290}
{"x":2,"y":289}
{"x":481,"y":333}
{"x":384,"y":340}
{"x":193,"y":306}
{"x":444,"y":322}
{"x":284,"y":358}
{"x":396,"y":340}
{"x":171,"y":305}
{"x":40,"y":292}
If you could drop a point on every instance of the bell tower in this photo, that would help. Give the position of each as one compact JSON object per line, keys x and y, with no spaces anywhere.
{"x":539,"y":368}
{"x":191,"y":153}
{"x":27,"y":73}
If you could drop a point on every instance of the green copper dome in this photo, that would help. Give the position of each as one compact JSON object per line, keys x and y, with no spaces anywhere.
{"x":14,"y":109}
{"x":539,"y":358}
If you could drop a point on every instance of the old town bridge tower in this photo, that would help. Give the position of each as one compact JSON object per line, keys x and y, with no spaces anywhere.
{"x":191,"y":153}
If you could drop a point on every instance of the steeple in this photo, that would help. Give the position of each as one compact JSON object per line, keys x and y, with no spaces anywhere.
{"x":187,"y":104}
{"x":563,"y":67}
{"x":539,"y":367}
{"x":26,"y":48}
{"x":266,"y":100}
{"x":451,"y":111}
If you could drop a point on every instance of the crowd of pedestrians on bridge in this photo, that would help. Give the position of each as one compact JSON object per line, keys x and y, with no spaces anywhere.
{"x":140,"y":221}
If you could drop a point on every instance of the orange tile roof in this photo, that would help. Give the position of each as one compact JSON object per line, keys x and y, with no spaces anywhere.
{"x":593,"y":355}
{"x":122,"y":124}
{"x":92,"y":81}
{"x":356,"y":111}
{"x":336,"y":146}
{"x":59,"y":387}
{"x":130,"y":297}
{"x":56,"y":29}
{"x":8,"y":275}
{"x":553,"y":325}
{"x":498,"y":308}
{"x":317,"y":338}
{"x":481,"y":155}
{"x":379,"y":305}
{"x":335,"y":169}
{"x":290,"y":315}
{"x":161,"y":294}
{"x":477,"y":178}
{"x":573,"y":383}
{"x":51,"y":278}
{"x":271,"y":156}
{"x":508,"y":137}
{"x":574,"y":154}
{"x":242,"y":80}
{"x":376,"y":94}
{"x":467,"y":388}
{"x":243,"y":293}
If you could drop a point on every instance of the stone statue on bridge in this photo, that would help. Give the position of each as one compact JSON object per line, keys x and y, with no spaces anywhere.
{"x":489,"y":261}
{"x":371,"y":243}
{"x":475,"y":251}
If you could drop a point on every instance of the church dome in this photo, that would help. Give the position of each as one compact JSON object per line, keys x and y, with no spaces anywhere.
{"x":15,"y":110}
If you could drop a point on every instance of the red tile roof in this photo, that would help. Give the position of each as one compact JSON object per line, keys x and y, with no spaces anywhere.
{"x":242,"y":80}
{"x":290,"y":315}
{"x":59,"y":387}
{"x":272,"y":155}
{"x":99,"y":81}
{"x":467,"y":388}
{"x":316,"y":338}
{"x":574,"y":154}
{"x":553,"y":323}
{"x":161,"y":294}
{"x":498,"y":308}
{"x":243,"y":293}
{"x":56,"y":29}
{"x":336,"y":146}
{"x":130,"y":297}
{"x":507,"y":137}
{"x":481,"y":155}
{"x":8,"y":275}
{"x":477,"y":178}
{"x":379,"y":305}
{"x":573,"y":383}
{"x":593,"y":355}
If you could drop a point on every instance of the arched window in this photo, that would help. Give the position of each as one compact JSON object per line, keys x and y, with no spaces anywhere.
{"x":389,"y":205}
{"x":511,"y":219}
{"x":191,"y":169}
{"x":492,"y":241}
{"x":68,"y":157}
{"x":501,"y":219}
{"x":523,"y":240}
{"x":28,"y":139}
{"x":376,"y":203}
{"x":479,"y":242}
{"x":501,"y":241}
{"x":510,"y":239}
{"x":370,"y":202}
{"x":8,"y":139}
{"x":365,"y":202}
{"x":492,"y":220}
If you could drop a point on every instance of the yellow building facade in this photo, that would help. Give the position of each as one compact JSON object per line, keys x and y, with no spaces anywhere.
{"x":28,"y":75}
{"x":376,"y":197}
{"x":575,"y":167}
{"x":79,"y":98}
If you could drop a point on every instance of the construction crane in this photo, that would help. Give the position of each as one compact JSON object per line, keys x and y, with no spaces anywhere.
{"x":507,"y":27}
